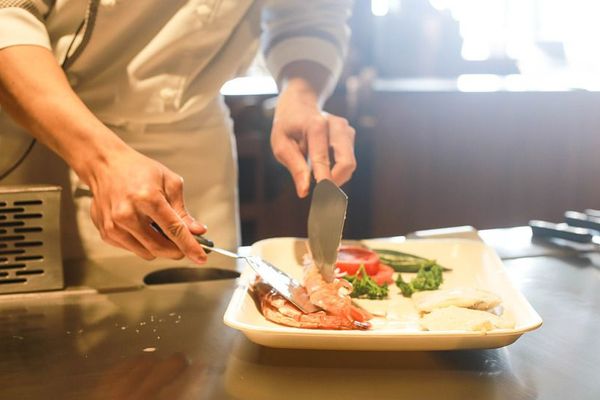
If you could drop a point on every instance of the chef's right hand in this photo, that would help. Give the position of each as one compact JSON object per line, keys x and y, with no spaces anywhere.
{"x":130,"y":191}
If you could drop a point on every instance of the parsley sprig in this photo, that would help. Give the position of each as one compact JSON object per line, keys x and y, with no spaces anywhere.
{"x":365,"y":287}
{"x":428,"y":278}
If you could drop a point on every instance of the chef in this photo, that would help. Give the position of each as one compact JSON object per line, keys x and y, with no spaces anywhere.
{"x":127,"y":94}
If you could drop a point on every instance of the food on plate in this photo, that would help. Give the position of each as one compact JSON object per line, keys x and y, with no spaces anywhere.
{"x":361,"y":267}
{"x":277,"y":309}
{"x":466,"y":297}
{"x":365,"y":287}
{"x":428,"y":278}
{"x":405,"y":262}
{"x":362,"y":274}
{"x":351,"y":259}
{"x":369,"y":272}
{"x":384,"y":276}
{"x":459,"y":309}
{"x":457,"y":318}
{"x":333,"y":298}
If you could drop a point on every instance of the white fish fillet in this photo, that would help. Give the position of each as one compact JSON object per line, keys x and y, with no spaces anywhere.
{"x":478,"y":299}
{"x":464,"y":319}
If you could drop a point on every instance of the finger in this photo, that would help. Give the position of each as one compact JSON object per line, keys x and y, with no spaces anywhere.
{"x":318,"y":148}
{"x":341,"y":137}
{"x":174,"y":193}
{"x":94,"y":214}
{"x":155,"y":242}
{"x":116,"y":236}
{"x":173,"y":226}
{"x":129,"y":221}
{"x":97,"y":219}
{"x":289,"y":153}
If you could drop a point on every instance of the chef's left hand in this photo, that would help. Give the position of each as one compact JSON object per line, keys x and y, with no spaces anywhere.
{"x":301,"y":129}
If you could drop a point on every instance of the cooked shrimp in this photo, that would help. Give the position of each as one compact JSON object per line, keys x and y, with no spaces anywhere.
{"x":279,"y":310}
{"x":332,"y":297}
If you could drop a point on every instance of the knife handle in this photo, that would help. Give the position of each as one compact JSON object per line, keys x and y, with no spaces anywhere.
{"x":204,"y":242}
{"x":592,"y":213}
{"x":582,"y":220}
{"x":562,"y":231}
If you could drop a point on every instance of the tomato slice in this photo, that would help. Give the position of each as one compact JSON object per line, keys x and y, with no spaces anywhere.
{"x":350,"y":258}
{"x":384,"y":275}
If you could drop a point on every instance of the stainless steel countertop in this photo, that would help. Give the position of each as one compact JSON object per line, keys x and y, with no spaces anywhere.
{"x":168,"y":341}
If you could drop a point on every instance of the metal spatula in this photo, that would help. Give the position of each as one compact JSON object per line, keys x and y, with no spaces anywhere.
{"x":287,"y":286}
{"x":325,"y":225}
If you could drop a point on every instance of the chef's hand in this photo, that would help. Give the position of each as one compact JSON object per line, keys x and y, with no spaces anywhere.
{"x":129,"y":192}
{"x":301,"y":129}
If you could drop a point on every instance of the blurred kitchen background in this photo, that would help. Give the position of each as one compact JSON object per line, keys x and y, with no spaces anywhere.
{"x":468,"y":112}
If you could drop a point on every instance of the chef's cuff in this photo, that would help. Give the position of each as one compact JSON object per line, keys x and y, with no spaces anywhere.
{"x":20,"y":27}
{"x":301,"y":48}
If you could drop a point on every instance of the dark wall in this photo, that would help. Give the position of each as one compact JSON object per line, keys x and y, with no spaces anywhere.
{"x":484,"y":159}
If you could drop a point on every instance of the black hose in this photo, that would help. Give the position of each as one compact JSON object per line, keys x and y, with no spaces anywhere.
{"x":34,"y":140}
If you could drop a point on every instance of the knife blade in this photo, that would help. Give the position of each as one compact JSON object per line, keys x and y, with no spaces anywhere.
{"x":325,"y":225}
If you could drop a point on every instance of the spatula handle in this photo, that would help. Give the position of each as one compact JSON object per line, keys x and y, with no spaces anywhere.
{"x":206,"y":244}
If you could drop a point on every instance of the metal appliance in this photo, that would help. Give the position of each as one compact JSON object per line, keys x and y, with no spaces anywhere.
{"x":30,"y":255}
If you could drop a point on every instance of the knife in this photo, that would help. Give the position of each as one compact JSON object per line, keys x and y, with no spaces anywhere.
{"x":564,"y":231}
{"x":284,"y":284}
{"x":325,"y":225}
{"x":583,"y":220}
{"x":592,"y":213}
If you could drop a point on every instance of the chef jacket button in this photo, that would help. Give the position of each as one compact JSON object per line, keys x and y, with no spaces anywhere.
{"x":203,"y":10}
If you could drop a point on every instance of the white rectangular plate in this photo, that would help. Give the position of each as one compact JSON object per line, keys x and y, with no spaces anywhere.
{"x":473,"y":263}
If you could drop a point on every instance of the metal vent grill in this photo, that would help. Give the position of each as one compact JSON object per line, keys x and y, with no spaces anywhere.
{"x":30,"y":258}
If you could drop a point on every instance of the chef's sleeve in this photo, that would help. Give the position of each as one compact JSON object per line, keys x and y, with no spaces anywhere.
{"x":314,"y":30}
{"x":22,"y":22}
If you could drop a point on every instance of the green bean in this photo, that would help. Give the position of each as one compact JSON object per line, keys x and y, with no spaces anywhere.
{"x":405,"y":262}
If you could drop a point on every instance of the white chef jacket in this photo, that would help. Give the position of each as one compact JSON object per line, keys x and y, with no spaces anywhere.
{"x":151,"y":71}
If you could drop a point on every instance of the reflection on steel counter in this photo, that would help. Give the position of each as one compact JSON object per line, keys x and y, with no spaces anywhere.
{"x":164,"y":340}
{"x":456,"y":375}
{"x":73,"y":345}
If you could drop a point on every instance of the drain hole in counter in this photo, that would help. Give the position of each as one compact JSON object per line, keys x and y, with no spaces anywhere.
{"x":188,"y":274}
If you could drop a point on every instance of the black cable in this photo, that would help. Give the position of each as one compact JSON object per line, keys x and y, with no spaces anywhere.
{"x":23,"y":156}
{"x":19,"y":161}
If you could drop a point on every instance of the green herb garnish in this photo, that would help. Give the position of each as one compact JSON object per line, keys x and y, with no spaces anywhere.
{"x":428,"y":278}
{"x":365,"y":287}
